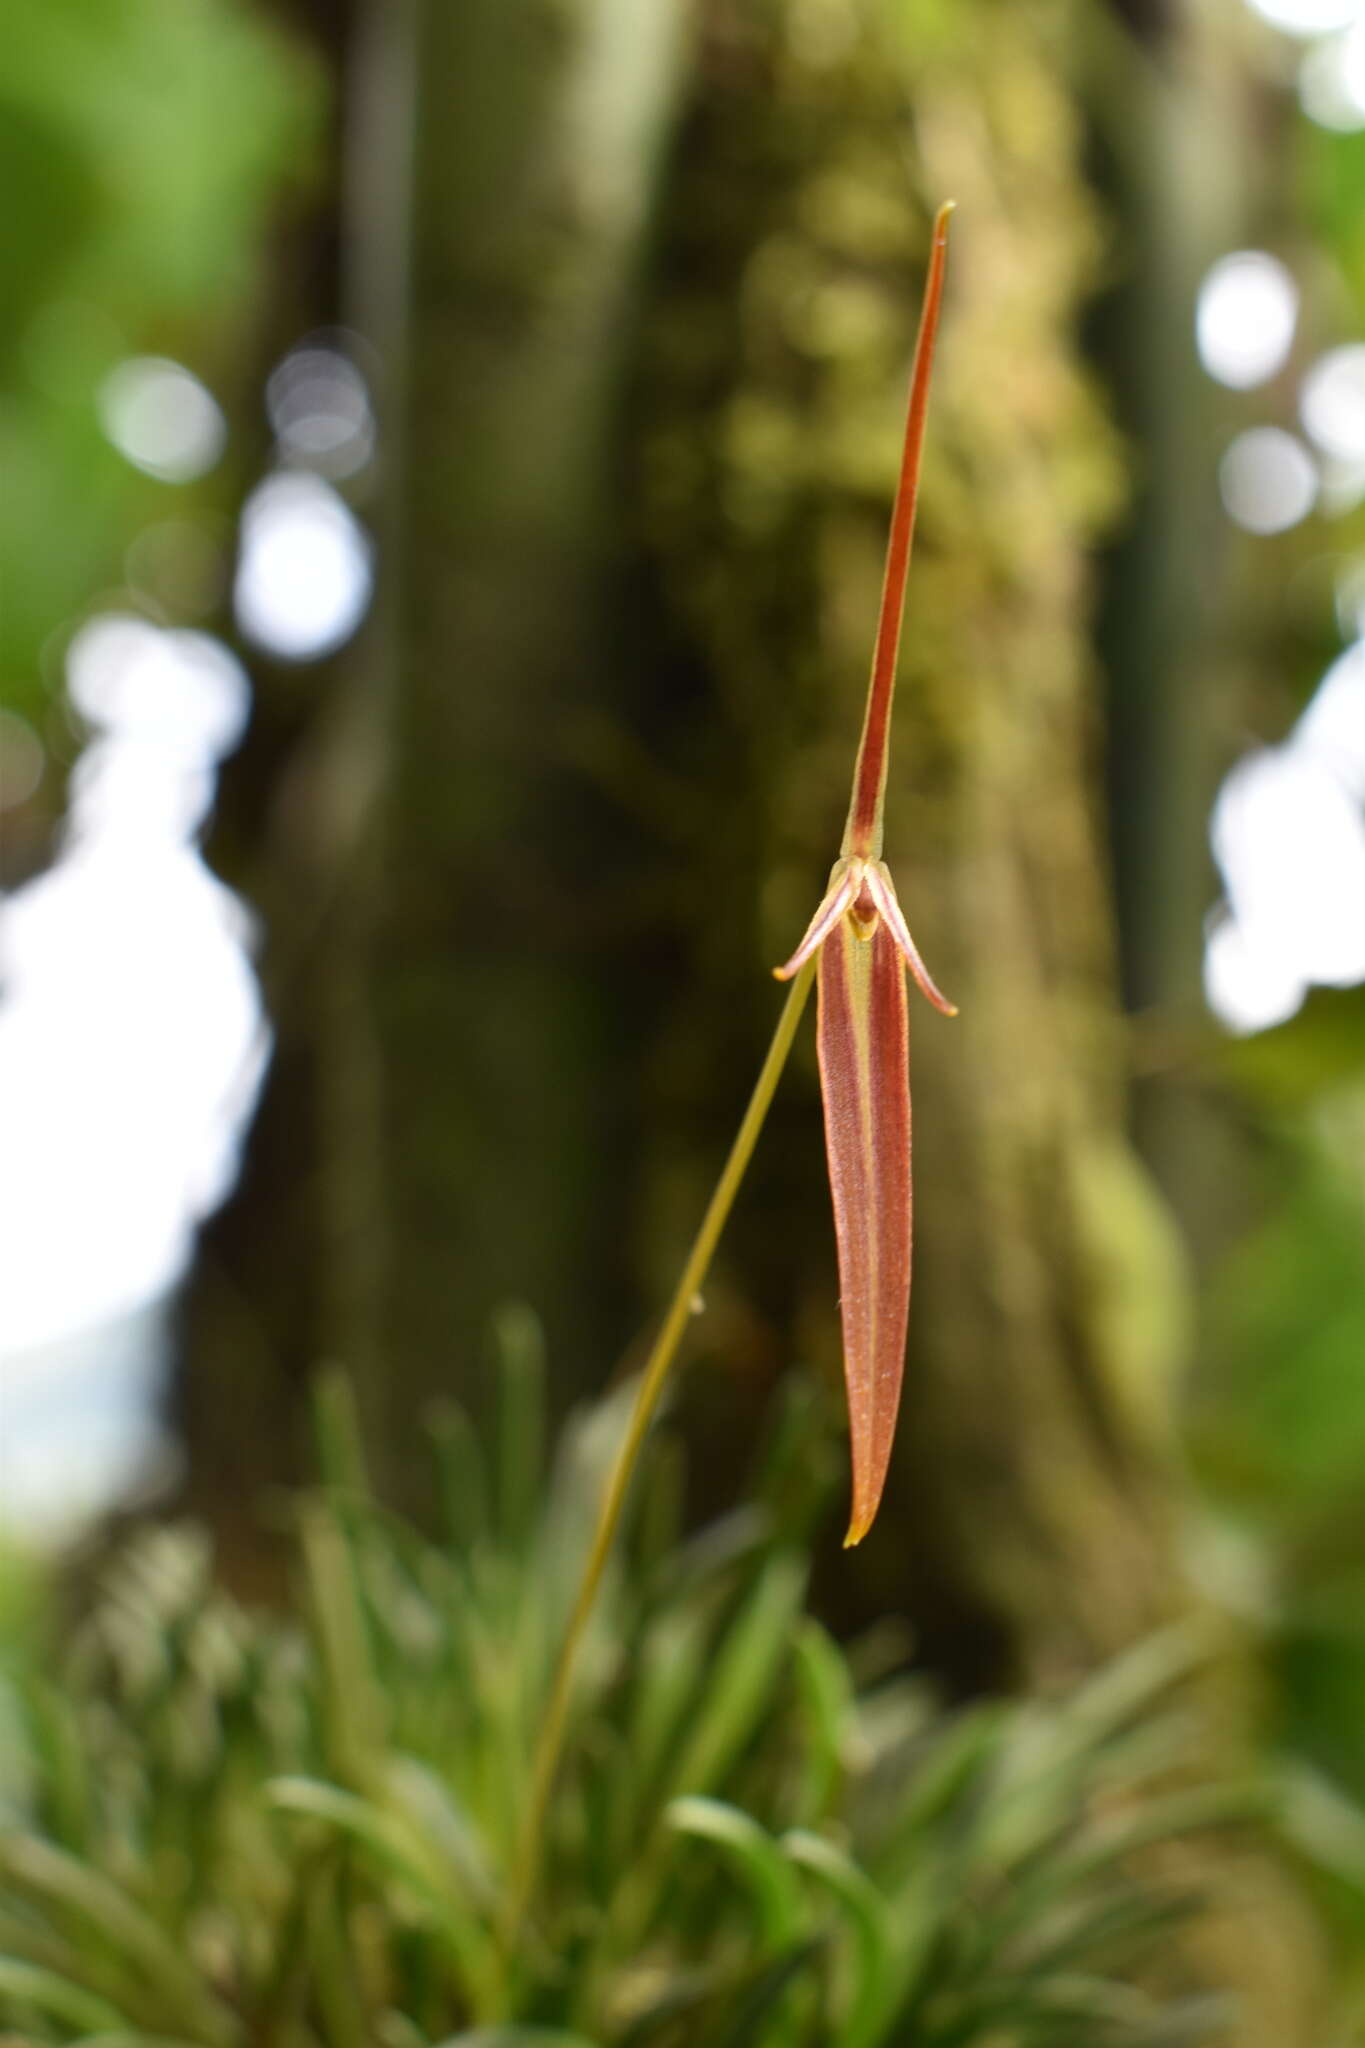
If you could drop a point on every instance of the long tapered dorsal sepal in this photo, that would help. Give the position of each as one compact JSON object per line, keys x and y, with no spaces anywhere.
{"x":863,"y":832}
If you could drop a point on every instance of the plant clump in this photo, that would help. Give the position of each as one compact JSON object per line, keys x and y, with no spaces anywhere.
{"x":221,"y":1829}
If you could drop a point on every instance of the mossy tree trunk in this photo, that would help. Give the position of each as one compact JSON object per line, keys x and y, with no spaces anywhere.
{"x":1046,"y":1306}
{"x":480,"y":1131}
{"x":638,"y":471}
{"x":1031,"y":1525}
{"x":444,"y":1123}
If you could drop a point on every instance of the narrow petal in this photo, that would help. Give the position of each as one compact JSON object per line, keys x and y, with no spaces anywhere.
{"x":864,"y":1051}
{"x":882,"y":890}
{"x":842,"y":889}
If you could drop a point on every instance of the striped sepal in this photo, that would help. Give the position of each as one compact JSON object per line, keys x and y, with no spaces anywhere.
{"x":865,"y":1083}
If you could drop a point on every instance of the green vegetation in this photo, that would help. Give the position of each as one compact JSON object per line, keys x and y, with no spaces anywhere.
{"x":150,"y":139}
{"x":223,"y":1829}
{"x":522,"y":856}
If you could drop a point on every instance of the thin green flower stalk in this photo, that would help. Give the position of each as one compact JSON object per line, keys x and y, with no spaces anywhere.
{"x":649,"y":1392}
{"x":858,"y":947}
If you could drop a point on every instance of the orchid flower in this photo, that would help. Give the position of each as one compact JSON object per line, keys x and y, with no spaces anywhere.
{"x":857,"y":949}
{"x":864,"y":947}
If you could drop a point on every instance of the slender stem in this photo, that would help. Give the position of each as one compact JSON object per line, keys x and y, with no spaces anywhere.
{"x":550,"y":1744}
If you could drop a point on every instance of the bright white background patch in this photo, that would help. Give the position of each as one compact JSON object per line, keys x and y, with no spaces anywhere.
{"x":162,"y":418}
{"x":1247,"y":988}
{"x":1288,"y":833}
{"x":1267,"y":480}
{"x":1332,"y":402}
{"x":1244,"y":318}
{"x":304,"y":574}
{"x":132,"y":1035}
{"x":1332,"y":81}
{"x":1306,"y":17}
{"x":132,"y":1045}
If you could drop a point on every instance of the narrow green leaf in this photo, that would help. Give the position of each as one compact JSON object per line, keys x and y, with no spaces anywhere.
{"x":398,"y":1848}
{"x":132,"y":2039}
{"x":1174,"y":1818}
{"x":667,"y":1681}
{"x":753,"y":2017}
{"x":42,"y":1872}
{"x":397,"y":2030}
{"x":1089,"y":1929}
{"x":520,"y":1348}
{"x":952,"y":1773}
{"x":354,"y":1707}
{"x":758,"y":1858}
{"x":338,"y":1435}
{"x":1126,"y":1688}
{"x":460,"y":1476}
{"x":517,"y":2037}
{"x":662,"y":1507}
{"x":335,"y":1979}
{"x":742,"y":1675}
{"x":1208,"y":2017}
{"x":94,"y":1973}
{"x":65,"y":1764}
{"x":362,"y":1822}
{"x":734,"y":2014}
{"x":876,"y":1983}
{"x":437,"y":1814}
{"x":826,"y":1692}
{"x":46,"y":1992}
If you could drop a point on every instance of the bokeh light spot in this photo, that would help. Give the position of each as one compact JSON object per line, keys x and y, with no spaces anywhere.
{"x":1290,"y":840}
{"x":162,"y":418}
{"x":304,"y":575}
{"x":1306,"y":17}
{"x":183,"y":693}
{"x":1332,"y":727}
{"x":319,"y":406}
{"x":1332,"y":402}
{"x":132,"y":1035}
{"x":1268,"y":480}
{"x":1244,"y":318}
{"x":1247,"y":987}
{"x":1332,"y":81}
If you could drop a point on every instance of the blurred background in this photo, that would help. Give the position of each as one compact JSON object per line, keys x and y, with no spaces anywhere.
{"x":447,"y":454}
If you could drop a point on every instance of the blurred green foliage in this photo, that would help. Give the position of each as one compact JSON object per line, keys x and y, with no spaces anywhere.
{"x":144,"y":144}
{"x":222,"y":1829}
{"x":1276,"y":1421}
{"x":1278,"y":1432}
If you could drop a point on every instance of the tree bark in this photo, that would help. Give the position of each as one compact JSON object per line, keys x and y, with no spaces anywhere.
{"x":1047,"y":1303}
{"x":480,"y":1126}
{"x":1030,"y":1527}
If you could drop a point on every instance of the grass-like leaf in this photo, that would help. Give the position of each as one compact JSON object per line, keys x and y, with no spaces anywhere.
{"x":766,"y":1868}
{"x":302,"y":1833}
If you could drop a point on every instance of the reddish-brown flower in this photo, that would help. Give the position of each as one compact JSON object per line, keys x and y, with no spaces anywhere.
{"x":864,"y":947}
